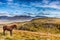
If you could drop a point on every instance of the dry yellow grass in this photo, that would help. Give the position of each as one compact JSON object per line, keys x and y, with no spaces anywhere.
{"x":28,"y":35}
{"x":41,"y":33}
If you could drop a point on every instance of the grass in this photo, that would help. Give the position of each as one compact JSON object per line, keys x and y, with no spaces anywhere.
{"x":34,"y":30}
{"x":27,"y":35}
{"x":37,"y":25}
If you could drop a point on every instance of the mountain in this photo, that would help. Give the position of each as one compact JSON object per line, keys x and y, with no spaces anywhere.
{"x":40,"y":17}
{"x":19,"y":17}
{"x":22,"y":17}
{"x":15,"y":17}
{"x":3,"y":17}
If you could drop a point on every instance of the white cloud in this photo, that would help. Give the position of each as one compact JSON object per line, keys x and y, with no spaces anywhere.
{"x":31,"y":8}
{"x":6,"y":14}
{"x":9,"y":0}
{"x":46,"y":3}
{"x":51,"y":6}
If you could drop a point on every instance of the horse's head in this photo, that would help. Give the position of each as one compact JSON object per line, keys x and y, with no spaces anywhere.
{"x":15,"y":26}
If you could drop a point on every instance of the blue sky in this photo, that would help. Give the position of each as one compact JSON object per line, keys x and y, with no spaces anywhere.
{"x":49,"y":8}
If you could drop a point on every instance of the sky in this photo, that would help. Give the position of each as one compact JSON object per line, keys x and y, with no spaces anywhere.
{"x":48,"y":8}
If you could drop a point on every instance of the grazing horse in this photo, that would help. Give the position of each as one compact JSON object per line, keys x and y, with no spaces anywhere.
{"x":9,"y":28}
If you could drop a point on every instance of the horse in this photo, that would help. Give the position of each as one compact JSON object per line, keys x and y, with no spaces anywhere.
{"x":9,"y":28}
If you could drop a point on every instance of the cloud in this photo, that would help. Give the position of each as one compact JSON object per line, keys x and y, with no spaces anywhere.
{"x":35,"y":8}
{"x":4,"y":14}
{"x":47,"y":3}
{"x":10,"y":0}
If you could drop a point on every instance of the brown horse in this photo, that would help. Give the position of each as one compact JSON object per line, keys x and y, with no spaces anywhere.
{"x":9,"y":28}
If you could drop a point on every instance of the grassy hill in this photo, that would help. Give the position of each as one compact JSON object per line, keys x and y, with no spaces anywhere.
{"x":27,"y":35}
{"x":47,"y":25}
{"x":36,"y":29}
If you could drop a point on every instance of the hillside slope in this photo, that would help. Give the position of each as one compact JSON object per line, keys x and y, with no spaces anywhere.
{"x":27,"y":35}
{"x":47,"y":25}
{"x":36,"y":29}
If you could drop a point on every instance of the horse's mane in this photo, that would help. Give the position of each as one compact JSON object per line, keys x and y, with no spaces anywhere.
{"x":12,"y":25}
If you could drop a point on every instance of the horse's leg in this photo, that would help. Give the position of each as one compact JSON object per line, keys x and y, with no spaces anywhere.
{"x":3,"y":32}
{"x":11,"y":33}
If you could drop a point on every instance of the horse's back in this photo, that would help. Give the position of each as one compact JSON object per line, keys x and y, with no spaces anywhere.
{"x":6,"y":26}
